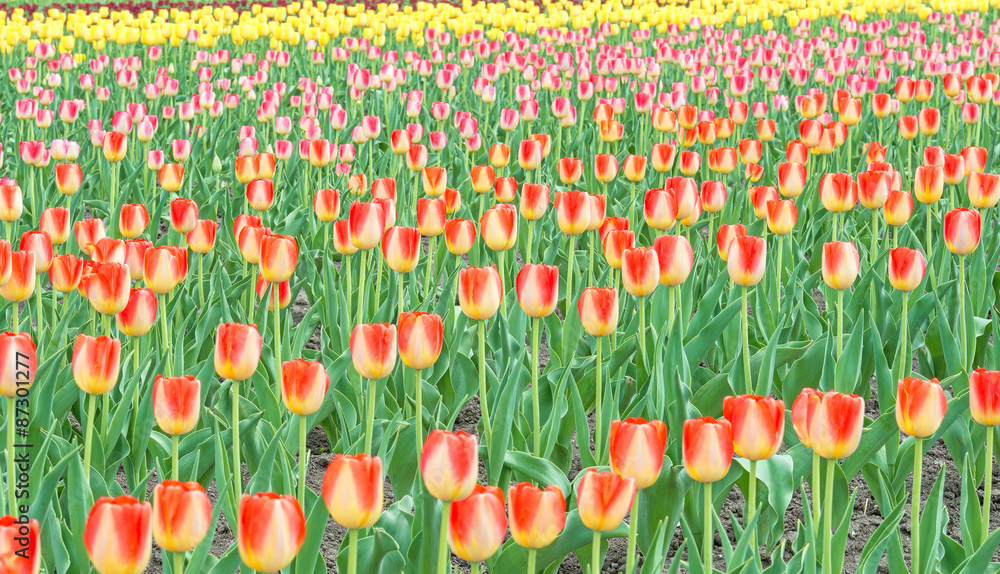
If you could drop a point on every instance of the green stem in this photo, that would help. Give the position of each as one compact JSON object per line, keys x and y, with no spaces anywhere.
{"x":746,"y":341}
{"x":672,"y":308}
{"x":55,"y":301}
{"x":535,"y":331}
{"x":918,"y":460}
{"x":237,"y":467}
{"x":590,"y":259}
{"x":831,"y":464}
{"x":11,"y":474}
{"x":483,"y":400}
{"x":598,"y":400}
{"x":752,"y":510}
{"x":443,"y":553}
{"x":501,"y":267}
{"x":303,"y":459}
{"x":345,"y":269}
{"x":929,"y":245}
{"x":569,"y":273}
{"x":708,"y":528}
{"x":527,"y":246}
{"x":400,"y":277}
{"x":532,"y":557}
{"x":642,"y":330}
{"x":201,"y":286}
{"x":474,"y":567}
{"x":777,"y":274}
{"x":633,"y":530}
{"x":370,"y":422}
{"x":906,"y":358}
{"x":38,"y":310}
{"x":178,"y":563}
{"x":815,"y":489}
{"x":88,"y":444}
{"x":840,"y":323}
{"x":352,"y":551}
{"x":164,"y":328}
{"x":420,"y":415}
{"x":175,"y":450}
{"x":964,"y":338}
{"x":277,"y":332}
{"x":430,"y":265}
{"x":987,"y":485}
{"x":595,"y":553}
{"x":874,"y":254}
{"x":361,"y":287}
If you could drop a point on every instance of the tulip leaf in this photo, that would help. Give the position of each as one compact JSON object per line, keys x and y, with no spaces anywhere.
{"x":575,"y":536}
{"x":874,"y":548}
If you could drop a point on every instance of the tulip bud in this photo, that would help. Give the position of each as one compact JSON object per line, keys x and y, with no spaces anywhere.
{"x":898,"y":208}
{"x":962,"y":229}
{"x":477,"y":524}
{"x":139,"y":314}
{"x":598,"y":309}
{"x":480,"y":291}
{"x":573,"y":211}
{"x":270,"y":530}
{"x":367,"y":224}
{"x":183,"y":215}
{"x":829,"y":423}
{"x":660,"y":209}
{"x":401,"y":248}
{"x":603,"y":499}
{"x":906,"y":268}
{"x":538,"y":289}
{"x":636,"y":450}
{"x":537,"y":516}
{"x":182,"y":515}
{"x":640,"y":271}
{"x":747,"y":260}
{"x":278,"y":256}
{"x":758,"y":424}
{"x":303,"y":386}
{"x":841,"y":264}
{"x":920,"y":406}
{"x":459,"y":235}
{"x":984,"y":397}
{"x":237,"y":351}
{"x":352,"y":490}
{"x":373,"y":349}
{"x":421,"y":336}
{"x":707,"y":449}
{"x":449,"y":464}
{"x":118,"y":535}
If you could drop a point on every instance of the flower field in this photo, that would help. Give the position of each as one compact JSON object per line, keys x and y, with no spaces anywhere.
{"x":551,"y":287}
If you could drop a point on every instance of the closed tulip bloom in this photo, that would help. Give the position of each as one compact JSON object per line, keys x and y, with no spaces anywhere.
{"x":610,"y":224}
{"x":139,"y":314}
{"x":953,"y":169}
{"x":278,"y":256}
{"x":480,"y":291}
{"x":636,"y":450}
{"x":367,"y":224}
{"x":605,"y":167}
{"x":929,"y":121}
{"x":713,"y":196}
{"x":421,"y":337}
{"x":758,"y":424}
{"x":781,"y":216}
{"x":260,"y":194}
{"x":432,"y":213}
{"x":114,"y":145}
{"x":534,"y":201}
{"x":675,"y":257}
{"x":573,"y":211}
{"x":603,"y":499}
{"x":760,"y":197}
{"x":39,"y":244}
{"x":962,"y":229}
{"x":634,"y":167}
{"x":108,"y":288}
{"x":725,"y":236}
{"x":237,"y":351}
{"x":19,"y":361}
{"x":171,"y":176}
{"x":303,"y":386}
{"x":133,"y":220}
{"x":614,"y":245}
{"x":975,"y":159}
{"x":161,"y":269}
{"x":96,"y":362}
{"x":928,"y":183}
{"x":119,"y":534}
{"x":791,"y":179}
{"x":326,"y":204}
{"x":11,"y":202}
{"x":598,"y":309}
{"x":640,"y":271}
{"x":107,"y":250}
{"x":662,"y":157}
{"x":20,"y":546}
{"x":69,"y":178}
{"x":498,"y":227}
{"x":183,"y":215}
{"x":435,"y":180}
{"x":983,"y":189}
{"x":54,"y":222}
{"x":873,"y":188}
{"x":834,"y":422}
{"x":690,"y":162}
{"x":201,"y":239}
{"x":803,"y":410}
{"x":477,"y":524}
{"x":246,"y":169}
{"x":529,"y":154}
{"x":660,"y":209}
{"x":505,"y":189}
{"x":66,"y":272}
{"x":21,"y":283}
{"x":373,"y":349}
{"x":499,"y":155}
{"x":898,"y":207}
{"x":984,"y":397}
{"x":449,"y":464}
{"x":747,"y":260}
{"x":459,"y":235}
{"x":182,"y":515}
{"x":401,"y":248}
{"x":906,"y":268}
{"x":841,"y":264}
{"x":353,"y":490}
{"x":537,"y":516}
{"x":483,"y":178}
{"x":920,"y":406}
{"x":538,"y":289}
{"x":342,"y":238}
{"x":176,"y":403}
{"x":838,"y":192}
{"x":88,"y":231}
{"x":570,"y":170}
{"x":707,"y":448}
{"x":270,"y":530}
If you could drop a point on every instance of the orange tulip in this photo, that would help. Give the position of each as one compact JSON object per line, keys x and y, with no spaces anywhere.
{"x":534,"y":201}
{"x":614,"y":245}
{"x":713,"y":196}
{"x":432,"y":213}
{"x":477,"y":524}
{"x":529,"y":154}
{"x":176,"y":403}
{"x":873,"y":188}
{"x":747,"y":260}
{"x":598,"y":309}
{"x":831,"y":423}
{"x":920,"y":406}
{"x":538,"y":289}
{"x":906,"y":268}
{"x":66,"y":272}
{"x":303,"y":386}
{"x":270,"y":530}
{"x":449,"y":464}
{"x":69,"y":178}
{"x":636,"y":450}
{"x":182,"y":515}
{"x":20,"y":545}
{"x":605,"y":167}
{"x":421,"y":336}
{"x":498,"y":227}
{"x":838,"y":192}
{"x":640,"y":271}
{"x":171,"y":176}
{"x":962,"y":229}
{"x":54,"y":222}
{"x":634,"y":167}
{"x":480,"y":291}
{"x":96,"y":362}
{"x":246,"y":169}
{"x":201,"y":239}
{"x":841,"y":264}
{"x":237,"y":351}
{"x":983,"y":189}
{"x":603,"y":499}
{"x":435,"y":180}
{"x":401,"y":248}
{"x":708,"y":448}
{"x":675,"y":258}
{"x":373,"y":349}
{"x":21,"y":283}
{"x":326,"y":204}
{"x":570,"y":170}
{"x":760,"y":197}
{"x":660,"y":209}
{"x":367,"y":224}
{"x":459,"y":235}
{"x":278,"y":256}
{"x":118,"y":536}
{"x":791,"y":179}
{"x":898,"y":207}
{"x":758,"y":424}
{"x":19,"y":361}
{"x":984,"y":397}
{"x":183,"y":215}
{"x":928,"y":183}
{"x":499,"y":155}
{"x":505,"y":189}
{"x":114,"y":145}
{"x":39,"y":244}
{"x":725,"y":236}
{"x":139,"y":314}
{"x":352,"y":490}
{"x":483,"y":178}
{"x":537,"y":516}
{"x":573,"y":211}
{"x":781,"y":216}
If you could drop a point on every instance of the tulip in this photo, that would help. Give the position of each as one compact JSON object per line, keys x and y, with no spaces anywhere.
{"x":20,"y":545}
{"x":660,"y":209}
{"x":603,"y":499}
{"x":182,"y":515}
{"x":161,"y":269}
{"x":278,"y":256}
{"x":459,"y":235}
{"x":270,"y":530}
{"x":983,"y":189}
{"x":352,"y":491}
{"x":570,"y":170}
{"x":676,"y":260}
{"x":480,"y":292}
{"x":19,"y":357}
{"x":401,"y":249}
{"x":984,"y":398}
{"x":21,"y":282}
{"x":920,"y":407}
{"x":118,"y":535}
{"x":237,"y":354}
{"x":906,"y":268}
{"x":536,"y":516}
{"x":538,"y":289}
{"x":66,"y":272}
{"x":449,"y":465}
{"x":477,"y":524}
{"x":637,"y":449}
{"x":139,"y":314}
{"x":615,"y":242}
{"x":303,"y":386}
{"x":746,"y":259}
{"x":69,"y":178}
{"x":54,"y":222}
{"x":373,"y":353}
{"x":183,"y":215}
{"x":133,"y":220}
{"x":421,"y":337}
{"x":171,"y":176}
